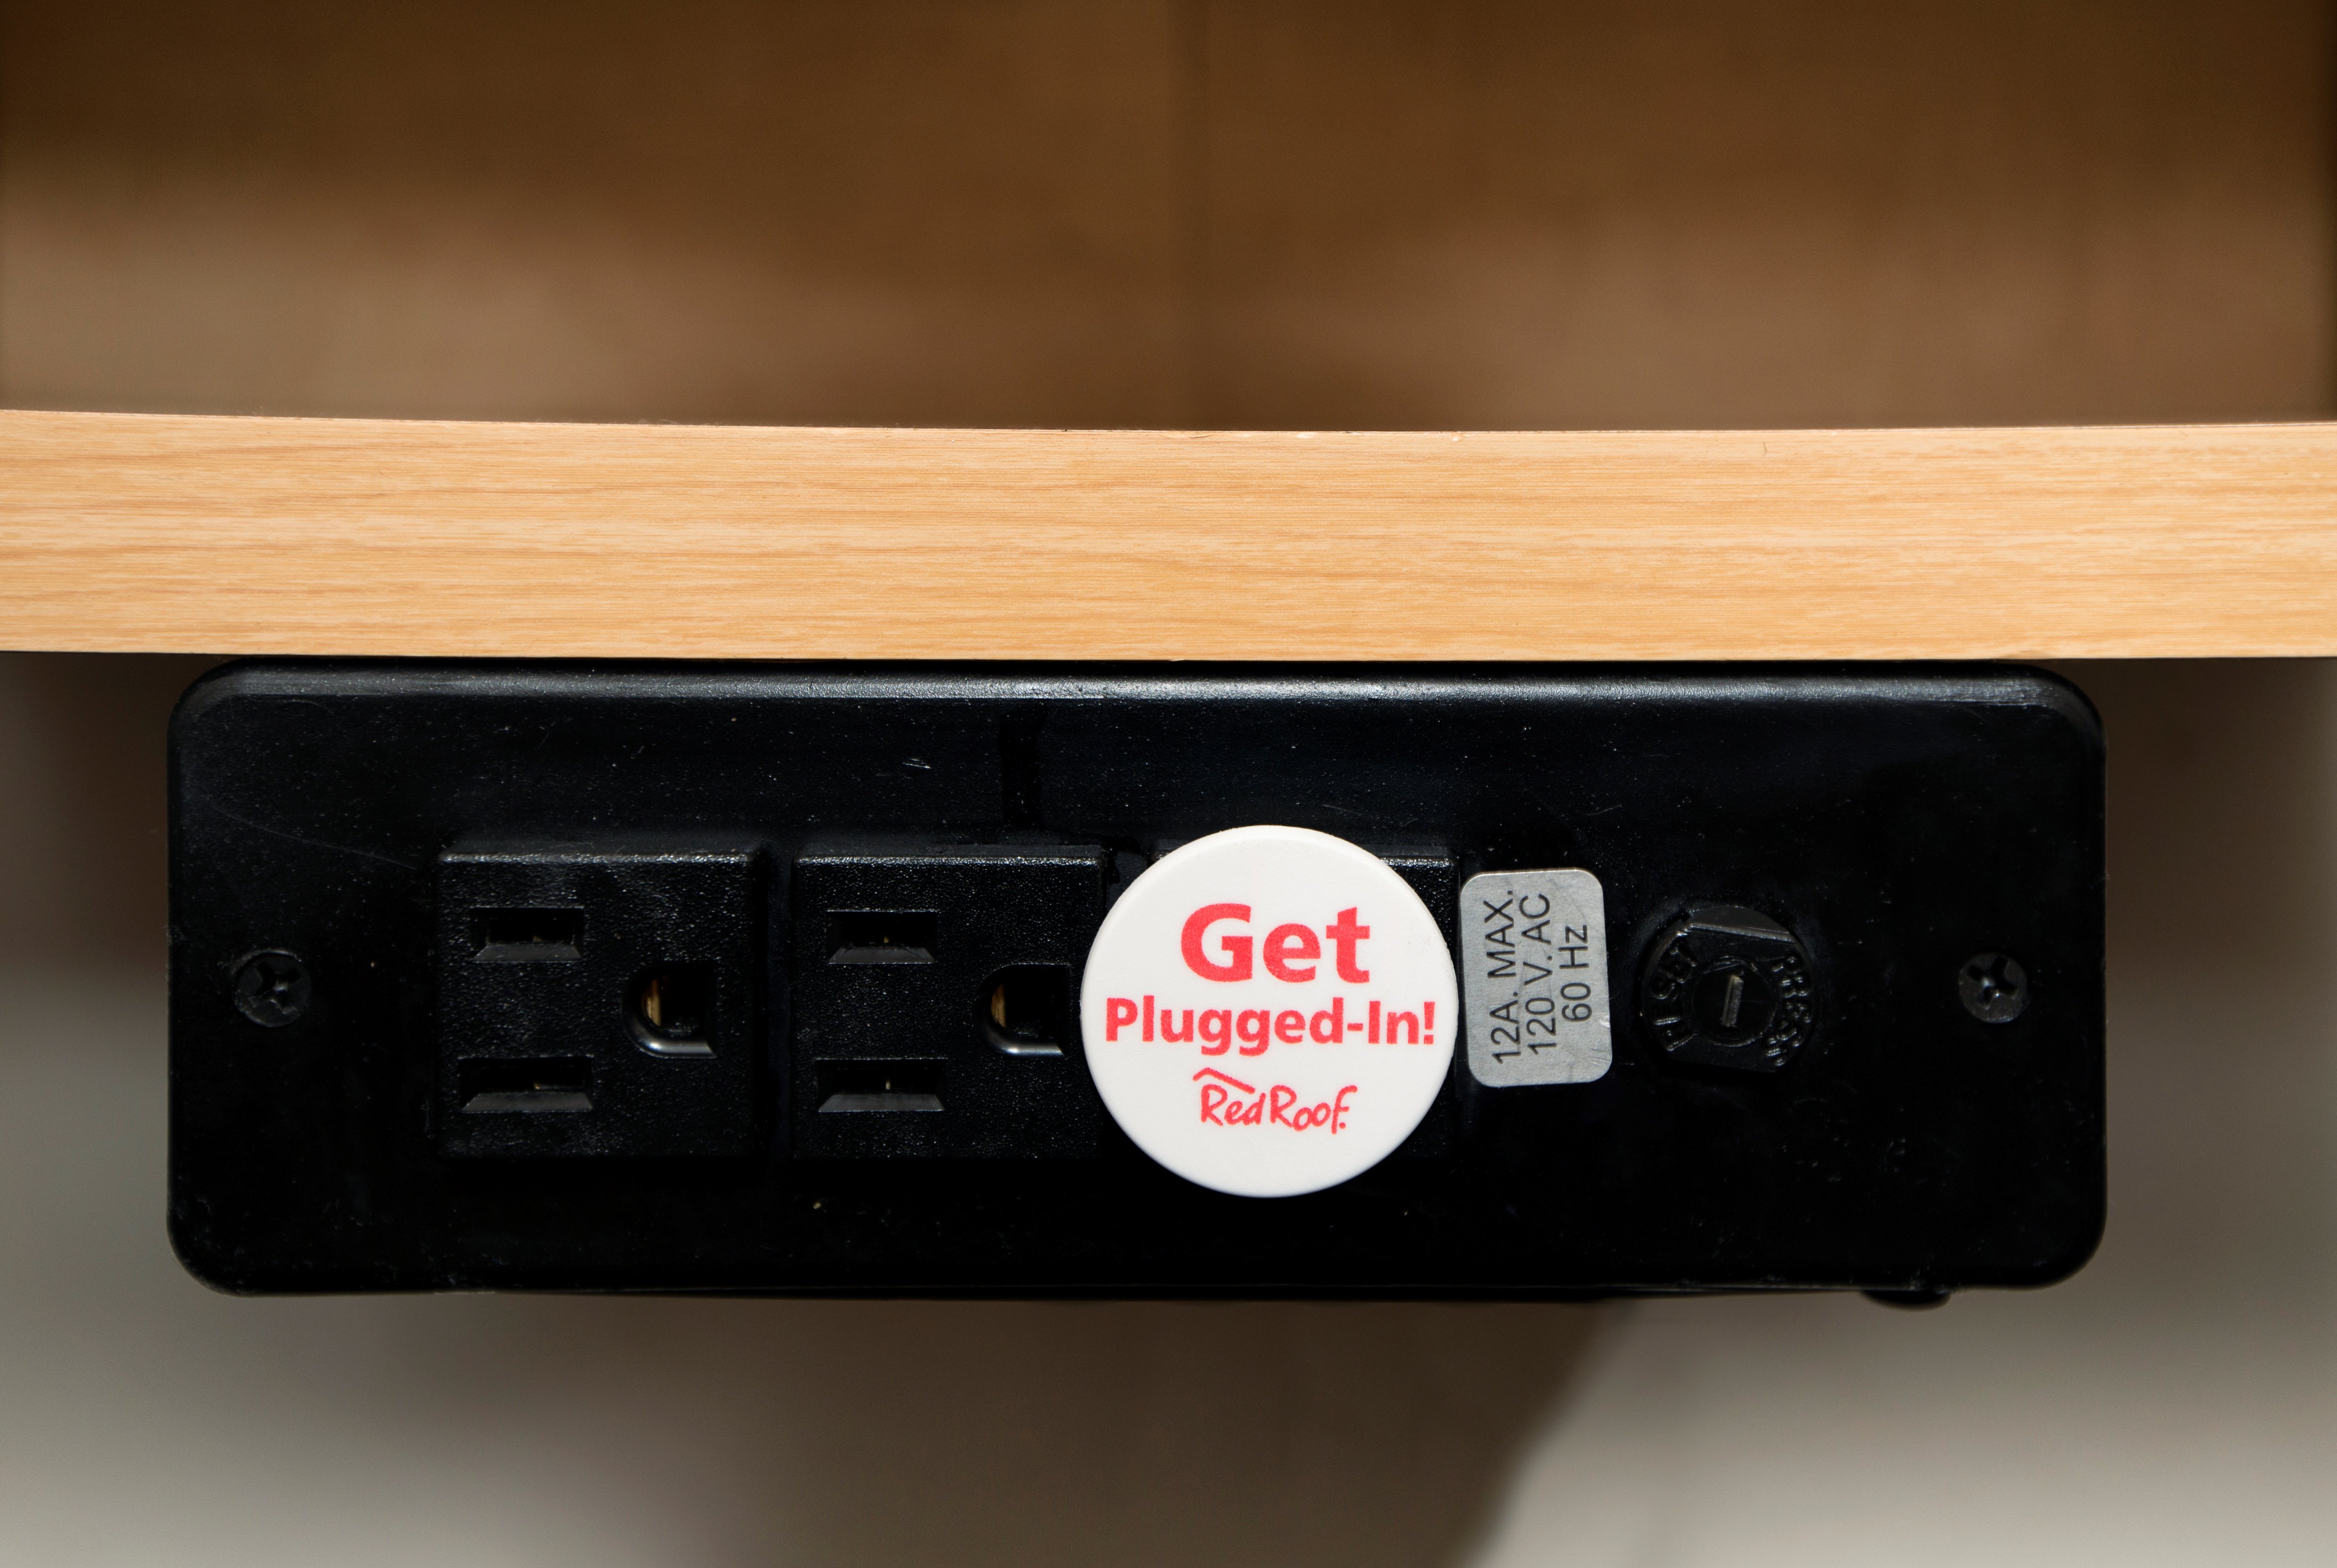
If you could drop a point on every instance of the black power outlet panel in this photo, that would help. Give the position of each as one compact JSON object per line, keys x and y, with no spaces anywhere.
{"x":768,"y":978}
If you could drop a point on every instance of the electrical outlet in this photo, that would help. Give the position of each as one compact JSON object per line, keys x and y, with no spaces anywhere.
{"x":932,"y":1001}
{"x":598,"y":1000}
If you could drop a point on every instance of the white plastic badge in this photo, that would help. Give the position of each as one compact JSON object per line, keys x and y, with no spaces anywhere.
{"x":1268,"y":1011}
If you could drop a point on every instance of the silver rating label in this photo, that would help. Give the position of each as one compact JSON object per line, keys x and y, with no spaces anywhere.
{"x":1533,"y":977}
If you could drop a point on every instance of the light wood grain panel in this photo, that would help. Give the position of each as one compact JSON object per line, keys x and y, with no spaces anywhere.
{"x":352,"y":536}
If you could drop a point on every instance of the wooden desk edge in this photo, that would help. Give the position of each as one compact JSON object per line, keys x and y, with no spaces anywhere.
{"x":151,"y":532}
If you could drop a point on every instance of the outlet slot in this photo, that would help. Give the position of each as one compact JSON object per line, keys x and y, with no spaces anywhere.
{"x":1025,"y":1010}
{"x":848,"y":1086}
{"x":500,"y":1085}
{"x":528,"y":936}
{"x":882,"y":935}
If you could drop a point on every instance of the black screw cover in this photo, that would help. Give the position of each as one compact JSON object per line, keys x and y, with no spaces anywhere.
{"x":271,"y":989}
{"x":1729,"y":987}
{"x":1994,"y":987}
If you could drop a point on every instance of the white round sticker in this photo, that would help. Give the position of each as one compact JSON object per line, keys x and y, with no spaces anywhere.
{"x":1268,"y":1011}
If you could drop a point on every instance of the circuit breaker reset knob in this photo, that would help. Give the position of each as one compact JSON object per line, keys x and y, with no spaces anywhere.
{"x":1729,"y":987}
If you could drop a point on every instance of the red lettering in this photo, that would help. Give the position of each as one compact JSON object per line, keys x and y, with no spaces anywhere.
{"x":1250,"y":1028}
{"x":1290,"y":1027}
{"x":1197,"y":925}
{"x":1148,"y":1018}
{"x":1117,"y":1012}
{"x":1345,"y":934}
{"x":1169,"y":1033}
{"x":1374,"y":1035}
{"x":1428,"y":1022}
{"x":1330,"y":1025}
{"x":1285,"y":943}
{"x":1410,"y":1021}
{"x":1214,"y":1040}
{"x":1224,"y":1107}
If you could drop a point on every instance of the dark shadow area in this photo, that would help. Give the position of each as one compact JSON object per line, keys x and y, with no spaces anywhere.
{"x":82,"y":848}
{"x":2223,"y":949}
